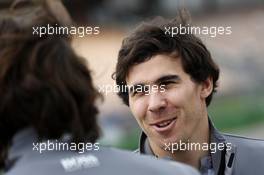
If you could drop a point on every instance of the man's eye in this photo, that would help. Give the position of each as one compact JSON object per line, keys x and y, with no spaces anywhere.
{"x":140,"y":90}
{"x":167,"y":84}
{"x":137,"y":93}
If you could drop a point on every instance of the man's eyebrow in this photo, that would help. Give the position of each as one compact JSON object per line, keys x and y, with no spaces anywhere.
{"x":158,"y":81}
{"x":167,"y":78}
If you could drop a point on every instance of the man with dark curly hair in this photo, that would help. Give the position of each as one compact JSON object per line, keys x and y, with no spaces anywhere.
{"x":167,"y":78}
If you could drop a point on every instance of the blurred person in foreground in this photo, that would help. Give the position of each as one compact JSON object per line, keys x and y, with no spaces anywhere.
{"x":48,"y":122}
{"x":168,"y":83}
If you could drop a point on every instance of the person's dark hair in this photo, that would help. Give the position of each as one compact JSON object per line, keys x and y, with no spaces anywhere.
{"x":43,"y":83}
{"x":151,"y":38}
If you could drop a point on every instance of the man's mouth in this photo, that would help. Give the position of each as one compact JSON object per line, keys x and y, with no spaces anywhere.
{"x":164,"y":125}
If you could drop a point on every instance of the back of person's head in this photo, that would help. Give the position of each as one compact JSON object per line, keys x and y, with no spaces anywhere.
{"x":43,"y":83}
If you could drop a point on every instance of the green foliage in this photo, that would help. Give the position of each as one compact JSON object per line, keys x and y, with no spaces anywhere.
{"x":237,"y":112}
{"x":130,"y":141}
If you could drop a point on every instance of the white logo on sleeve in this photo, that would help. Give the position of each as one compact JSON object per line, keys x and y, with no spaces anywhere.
{"x":79,"y":162}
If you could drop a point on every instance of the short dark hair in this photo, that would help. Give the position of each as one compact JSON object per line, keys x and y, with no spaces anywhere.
{"x":150,"y":39}
{"x":44,"y":84}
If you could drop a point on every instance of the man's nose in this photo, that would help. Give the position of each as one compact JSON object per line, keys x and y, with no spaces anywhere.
{"x":157,"y":102}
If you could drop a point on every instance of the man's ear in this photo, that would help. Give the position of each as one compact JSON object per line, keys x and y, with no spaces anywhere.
{"x":207,"y":87}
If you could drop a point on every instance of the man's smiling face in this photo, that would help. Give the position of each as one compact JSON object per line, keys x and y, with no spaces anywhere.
{"x":174,"y":112}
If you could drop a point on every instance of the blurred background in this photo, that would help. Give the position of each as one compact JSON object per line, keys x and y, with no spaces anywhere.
{"x":238,"y":106}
